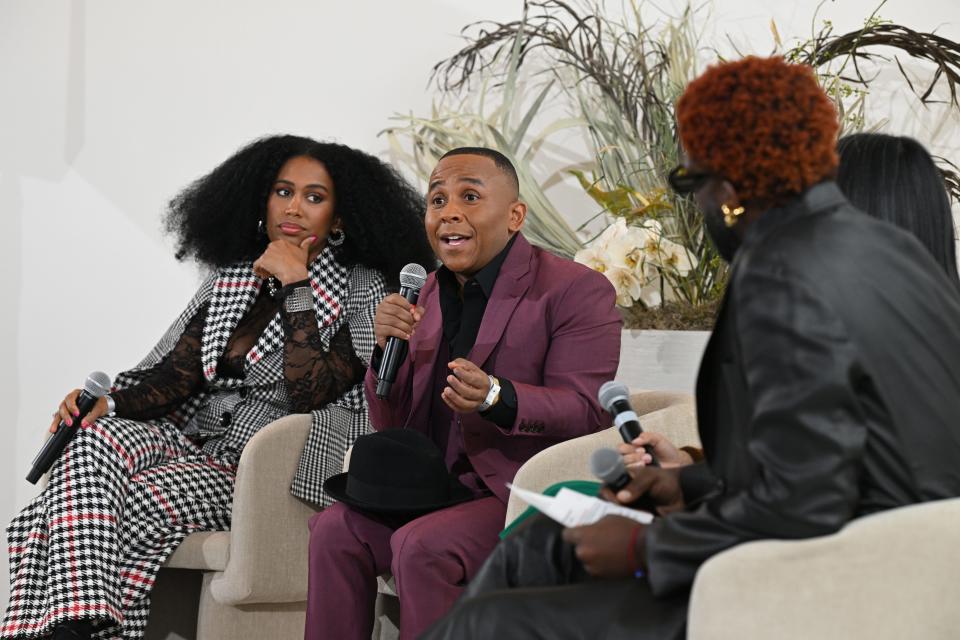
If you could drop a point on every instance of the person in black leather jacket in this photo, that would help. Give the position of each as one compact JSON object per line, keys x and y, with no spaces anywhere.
{"x":829,"y":390}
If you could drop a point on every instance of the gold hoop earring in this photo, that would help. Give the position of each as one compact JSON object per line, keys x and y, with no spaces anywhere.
{"x":731,"y":216}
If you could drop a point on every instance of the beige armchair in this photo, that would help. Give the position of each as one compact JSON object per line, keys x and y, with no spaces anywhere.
{"x":671,"y":414}
{"x":890,"y":575}
{"x":251,"y":581}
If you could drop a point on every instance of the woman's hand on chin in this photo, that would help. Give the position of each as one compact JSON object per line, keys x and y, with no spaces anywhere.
{"x":285,"y":261}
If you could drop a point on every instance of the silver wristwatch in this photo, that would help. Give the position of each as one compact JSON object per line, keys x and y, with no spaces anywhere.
{"x":493,"y":395}
{"x":300,"y":299}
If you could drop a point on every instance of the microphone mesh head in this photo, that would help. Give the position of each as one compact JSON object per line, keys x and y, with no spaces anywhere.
{"x":612,"y":391}
{"x":413,"y":276}
{"x":97,"y":384}
{"x":607,"y":465}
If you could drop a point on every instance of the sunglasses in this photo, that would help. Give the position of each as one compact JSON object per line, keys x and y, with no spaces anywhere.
{"x":684,"y":182}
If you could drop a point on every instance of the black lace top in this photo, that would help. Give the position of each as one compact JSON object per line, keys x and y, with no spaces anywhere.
{"x":315,"y":377}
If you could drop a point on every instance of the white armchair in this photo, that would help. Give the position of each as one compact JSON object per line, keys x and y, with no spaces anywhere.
{"x":890,"y":575}
{"x":669,"y":413}
{"x":251,"y":581}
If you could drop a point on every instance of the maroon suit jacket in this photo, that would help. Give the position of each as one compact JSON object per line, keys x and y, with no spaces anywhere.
{"x":551,"y":328}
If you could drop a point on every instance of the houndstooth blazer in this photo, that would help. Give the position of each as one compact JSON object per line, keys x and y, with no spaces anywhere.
{"x":230,"y":411}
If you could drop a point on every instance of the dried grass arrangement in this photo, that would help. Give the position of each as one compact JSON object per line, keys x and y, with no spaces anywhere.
{"x":618,"y":79}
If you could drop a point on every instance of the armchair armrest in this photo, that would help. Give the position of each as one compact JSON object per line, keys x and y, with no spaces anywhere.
{"x":671,"y":414}
{"x":269,"y":534}
{"x":888,"y":575}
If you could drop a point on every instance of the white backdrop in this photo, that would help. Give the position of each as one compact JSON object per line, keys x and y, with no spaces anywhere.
{"x":109,"y":107}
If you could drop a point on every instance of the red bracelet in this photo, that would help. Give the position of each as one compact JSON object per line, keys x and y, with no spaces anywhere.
{"x":632,"y":552}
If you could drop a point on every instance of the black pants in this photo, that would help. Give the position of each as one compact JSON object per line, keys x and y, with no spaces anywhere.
{"x":533,"y":586}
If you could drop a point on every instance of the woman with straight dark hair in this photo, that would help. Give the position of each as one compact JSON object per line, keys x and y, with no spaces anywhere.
{"x":894,"y":178}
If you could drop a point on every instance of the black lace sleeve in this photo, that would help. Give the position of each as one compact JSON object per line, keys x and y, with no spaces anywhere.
{"x":170,"y":382}
{"x":315,"y":377}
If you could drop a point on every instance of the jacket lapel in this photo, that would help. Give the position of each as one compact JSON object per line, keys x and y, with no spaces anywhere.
{"x":425,"y":344}
{"x":512,"y":283}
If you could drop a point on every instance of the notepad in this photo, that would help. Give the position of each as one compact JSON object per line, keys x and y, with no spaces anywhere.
{"x":573,"y":509}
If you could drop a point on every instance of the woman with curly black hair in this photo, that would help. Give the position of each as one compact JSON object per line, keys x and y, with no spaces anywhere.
{"x":301,"y":238}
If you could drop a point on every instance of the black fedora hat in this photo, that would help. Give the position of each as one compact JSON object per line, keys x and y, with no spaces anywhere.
{"x":397,"y":471}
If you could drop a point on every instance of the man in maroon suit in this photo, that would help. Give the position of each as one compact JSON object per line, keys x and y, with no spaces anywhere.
{"x":507,"y":352}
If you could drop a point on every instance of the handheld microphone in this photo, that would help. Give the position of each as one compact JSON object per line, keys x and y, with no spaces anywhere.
{"x":412,"y":278}
{"x":94,"y":387}
{"x":607,"y":466}
{"x":615,"y":398}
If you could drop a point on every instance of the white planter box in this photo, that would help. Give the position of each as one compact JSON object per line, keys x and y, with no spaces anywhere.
{"x":661,"y":360}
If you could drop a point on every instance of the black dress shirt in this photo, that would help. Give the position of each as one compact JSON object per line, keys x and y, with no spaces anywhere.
{"x":462,"y":310}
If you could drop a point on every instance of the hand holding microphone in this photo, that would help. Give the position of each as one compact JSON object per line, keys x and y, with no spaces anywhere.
{"x":615,"y":398}
{"x":75,"y":407}
{"x":395,"y":322}
{"x":647,"y":488}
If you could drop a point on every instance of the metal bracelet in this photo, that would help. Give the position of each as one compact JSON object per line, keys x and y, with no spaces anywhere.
{"x":300,"y":299}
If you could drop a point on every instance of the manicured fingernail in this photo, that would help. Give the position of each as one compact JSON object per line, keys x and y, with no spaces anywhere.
{"x":76,"y":414}
{"x":84,"y":423}
{"x":623,"y":495}
{"x":69,"y":422}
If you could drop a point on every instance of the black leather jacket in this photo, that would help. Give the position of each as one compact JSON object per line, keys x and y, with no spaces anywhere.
{"x":830,"y":388}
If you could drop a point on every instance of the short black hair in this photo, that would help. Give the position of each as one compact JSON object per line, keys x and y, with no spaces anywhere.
{"x":895,"y":179}
{"x":503,"y":162}
{"x":215,"y":219}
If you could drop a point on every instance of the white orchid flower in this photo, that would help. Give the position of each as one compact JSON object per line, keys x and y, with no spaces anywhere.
{"x":594,"y":257}
{"x":626,"y":283}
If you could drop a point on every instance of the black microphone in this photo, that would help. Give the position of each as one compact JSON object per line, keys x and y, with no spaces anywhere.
{"x":607,"y":466}
{"x":412,"y":278}
{"x":95,"y":386}
{"x":615,"y":398}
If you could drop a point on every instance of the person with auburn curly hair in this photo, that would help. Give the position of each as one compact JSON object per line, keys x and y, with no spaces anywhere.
{"x":829,"y":389}
{"x":301,"y":238}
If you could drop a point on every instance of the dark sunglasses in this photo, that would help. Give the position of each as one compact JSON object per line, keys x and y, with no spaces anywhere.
{"x":684,"y":182}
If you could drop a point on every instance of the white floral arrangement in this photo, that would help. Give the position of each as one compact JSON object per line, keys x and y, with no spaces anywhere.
{"x":641,"y":263}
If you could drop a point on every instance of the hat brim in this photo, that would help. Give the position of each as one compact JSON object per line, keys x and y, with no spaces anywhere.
{"x":336,"y":487}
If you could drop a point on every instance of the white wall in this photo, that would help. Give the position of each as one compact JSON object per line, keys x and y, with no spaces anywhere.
{"x":108,"y":107}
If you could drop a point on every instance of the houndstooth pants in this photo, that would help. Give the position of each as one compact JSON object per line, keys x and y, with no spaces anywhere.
{"x":121,"y":498}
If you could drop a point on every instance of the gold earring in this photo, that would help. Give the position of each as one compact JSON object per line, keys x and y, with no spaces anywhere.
{"x":730,"y":216}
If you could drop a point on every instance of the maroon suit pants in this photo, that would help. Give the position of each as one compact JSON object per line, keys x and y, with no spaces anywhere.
{"x":432,"y":558}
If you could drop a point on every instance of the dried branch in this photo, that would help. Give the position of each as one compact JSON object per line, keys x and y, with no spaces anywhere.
{"x":858,"y":46}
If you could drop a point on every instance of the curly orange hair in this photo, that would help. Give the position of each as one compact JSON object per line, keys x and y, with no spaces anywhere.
{"x":761,"y":123}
